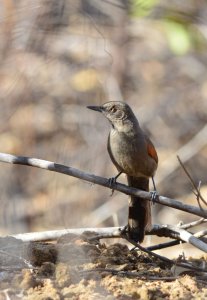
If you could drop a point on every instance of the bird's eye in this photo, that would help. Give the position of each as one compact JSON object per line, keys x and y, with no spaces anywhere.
{"x":113,"y":109}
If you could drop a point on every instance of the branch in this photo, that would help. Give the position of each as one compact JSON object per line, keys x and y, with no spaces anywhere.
{"x":193,"y":224}
{"x":51,"y":166}
{"x":115,"y":232}
{"x":199,"y":234}
{"x":197,"y":193}
{"x":101,"y":233}
{"x":163,"y":245}
{"x":55,"y":234}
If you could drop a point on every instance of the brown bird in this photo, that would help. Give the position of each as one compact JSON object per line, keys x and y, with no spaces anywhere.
{"x":132,"y":153}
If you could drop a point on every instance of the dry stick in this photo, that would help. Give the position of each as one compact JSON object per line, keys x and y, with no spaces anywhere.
{"x":177,"y":242}
{"x":102,"y":233}
{"x":183,"y":235}
{"x":164,"y":245}
{"x":167,"y":231}
{"x":55,"y":234}
{"x":198,"y":194}
{"x":198,"y":234}
{"x":191,"y":148}
{"x":51,"y":166}
{"x":193,"y":224}
{"x":163,"y":258}
{"x":115,"y":232}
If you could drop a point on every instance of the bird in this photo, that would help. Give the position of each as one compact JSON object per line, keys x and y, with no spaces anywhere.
{"x":133,"y":153}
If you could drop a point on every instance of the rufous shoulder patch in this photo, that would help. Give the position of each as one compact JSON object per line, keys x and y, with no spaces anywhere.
{"x":151,"y":150}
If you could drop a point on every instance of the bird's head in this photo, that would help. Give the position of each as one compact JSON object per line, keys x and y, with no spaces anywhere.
{"x":116,"y":112}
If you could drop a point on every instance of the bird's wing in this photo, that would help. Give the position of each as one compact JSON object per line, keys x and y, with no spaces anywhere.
{"x":151,"y":149}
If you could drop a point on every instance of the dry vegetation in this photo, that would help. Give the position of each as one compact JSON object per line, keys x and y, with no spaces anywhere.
{"x":56,"y":58}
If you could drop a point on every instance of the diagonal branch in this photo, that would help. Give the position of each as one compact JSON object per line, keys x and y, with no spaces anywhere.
{"x":51,"y":166}
{"x":197,"y":193}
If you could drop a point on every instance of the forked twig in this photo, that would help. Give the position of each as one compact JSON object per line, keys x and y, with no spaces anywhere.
{"x":197,"y":189}
{"x":193,"y":224}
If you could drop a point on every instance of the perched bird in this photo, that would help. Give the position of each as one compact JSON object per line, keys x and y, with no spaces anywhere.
{"x":132,"y":153}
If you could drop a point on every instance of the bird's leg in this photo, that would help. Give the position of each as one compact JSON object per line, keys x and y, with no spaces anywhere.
{"x":154,"y":194}
{"x":124,"y":230}
{"x":112,"y":180}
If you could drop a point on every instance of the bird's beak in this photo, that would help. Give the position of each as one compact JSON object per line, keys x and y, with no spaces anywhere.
{"x":96,"y":108}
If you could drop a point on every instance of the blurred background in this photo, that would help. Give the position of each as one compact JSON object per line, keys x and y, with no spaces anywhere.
{"x":57,"y":57}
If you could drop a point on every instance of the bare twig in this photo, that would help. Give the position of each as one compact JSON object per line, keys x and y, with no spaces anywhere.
{"x":164,"y":245}
{"x":201,"y":233}
{"x":177,"y":242}
{"x":167,"y":260}
{"x":55,"y":234}
{"x":191,"y":148}
{"x":115,"y":232}
{"x":51,"y":166}
{"x":193,"y":224}
{"x":183,"y":235}
{"x":162,"y":258}
{"x":197,"y":189}
{"x":187,"y":237}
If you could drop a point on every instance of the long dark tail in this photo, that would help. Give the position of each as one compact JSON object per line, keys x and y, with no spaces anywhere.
{"x":139,"y":210}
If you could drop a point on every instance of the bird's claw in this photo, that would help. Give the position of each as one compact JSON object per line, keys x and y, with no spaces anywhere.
{"x":112,"y":180}
{"x":154,"y":196}
{"x":124,"y":230}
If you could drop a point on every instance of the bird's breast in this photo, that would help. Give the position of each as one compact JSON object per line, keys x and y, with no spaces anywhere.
{"x":128,"y":152}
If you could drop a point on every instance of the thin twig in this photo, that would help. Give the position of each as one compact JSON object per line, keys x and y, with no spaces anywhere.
{"x":176,"y":242}
{"x":190,"y":149}
{"x":198,"y":194}
{"x":51,"y":166}
{"x":52,"y":235}
{"x":167,"y":260}
{"x":163,"y":258}
{"x":193,"y":224}
{"x":164,"y":245}
{"x":201,"y":233}
{"x":115,"y":232}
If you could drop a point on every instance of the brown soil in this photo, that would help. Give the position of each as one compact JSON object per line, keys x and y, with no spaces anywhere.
{"x":76,"y":268}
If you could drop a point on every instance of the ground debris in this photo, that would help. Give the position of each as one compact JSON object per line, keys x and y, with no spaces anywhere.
{"x":76,"y":268}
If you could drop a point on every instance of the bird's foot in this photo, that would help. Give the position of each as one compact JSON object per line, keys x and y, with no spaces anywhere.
{"x":112,"y":181}
{"x":154,"y":196}
{"x":124,"y":230}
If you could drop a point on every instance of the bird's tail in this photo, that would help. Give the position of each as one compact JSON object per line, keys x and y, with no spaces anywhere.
{"x":139,"y":218}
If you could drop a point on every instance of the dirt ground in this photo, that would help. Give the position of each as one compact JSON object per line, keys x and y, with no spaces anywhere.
{"x":76,"y":267}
